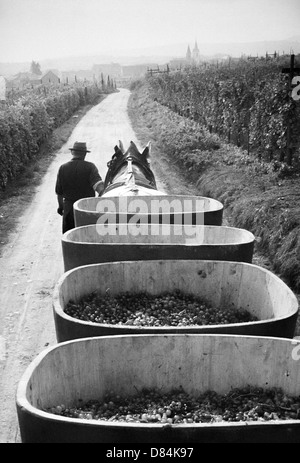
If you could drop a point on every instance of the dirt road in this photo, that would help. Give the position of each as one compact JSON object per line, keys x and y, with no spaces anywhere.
{"x":31,"y":263}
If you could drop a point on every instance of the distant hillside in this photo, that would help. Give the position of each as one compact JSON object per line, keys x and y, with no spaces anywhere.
{"x":232,"y":49}
{"x":10,"y":69}
{"x":159,"y":55}
{"x":252,"y":48}
{"x":77,"y":63}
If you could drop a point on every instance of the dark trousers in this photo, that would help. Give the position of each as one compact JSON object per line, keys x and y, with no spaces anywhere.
{"x":68,"y":216}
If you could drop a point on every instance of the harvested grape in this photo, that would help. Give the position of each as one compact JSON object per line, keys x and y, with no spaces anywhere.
{"x":143,"y":309}
{"x":150,"y":406}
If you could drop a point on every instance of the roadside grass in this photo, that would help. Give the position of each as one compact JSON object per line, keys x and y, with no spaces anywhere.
{"x":257,"y":196}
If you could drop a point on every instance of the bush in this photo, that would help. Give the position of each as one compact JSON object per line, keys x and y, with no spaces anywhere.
{"x":27,"y":123}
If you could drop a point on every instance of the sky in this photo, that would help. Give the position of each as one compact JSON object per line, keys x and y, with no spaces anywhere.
{"x":44,"y":29}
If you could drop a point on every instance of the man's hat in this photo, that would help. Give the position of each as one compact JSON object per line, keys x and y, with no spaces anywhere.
{"x":79,"y":146}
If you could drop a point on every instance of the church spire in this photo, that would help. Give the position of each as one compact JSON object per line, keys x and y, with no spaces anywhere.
{"x":196,"y":54}
{"x":188,"y":55}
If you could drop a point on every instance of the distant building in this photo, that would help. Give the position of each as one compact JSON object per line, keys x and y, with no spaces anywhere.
{"x":11,"y":82}
{"x":192,"y":58}
{"x":196,"y":54}
{"x":28,"y":79}
{"x":189,"y":55}
{"x":49,"y":78}
{"x":22,"y":80}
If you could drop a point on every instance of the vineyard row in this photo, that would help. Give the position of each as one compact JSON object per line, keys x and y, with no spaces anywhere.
{"x":27,"y":123}
{"x":248,"y":104}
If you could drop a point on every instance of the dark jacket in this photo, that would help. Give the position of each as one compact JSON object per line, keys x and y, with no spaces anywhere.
{"x":75,"y":180}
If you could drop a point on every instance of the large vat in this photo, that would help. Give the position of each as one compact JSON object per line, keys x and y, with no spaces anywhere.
{"x":93,"y":244}
{"x":178,"y":209}
{"x":89,"y":368}
{"x":234,"y":284}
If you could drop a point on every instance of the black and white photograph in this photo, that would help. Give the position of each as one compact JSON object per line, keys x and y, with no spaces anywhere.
{"x":149,"y":224}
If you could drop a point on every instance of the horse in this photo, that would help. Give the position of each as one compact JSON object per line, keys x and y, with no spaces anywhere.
{"x":129,"y":173}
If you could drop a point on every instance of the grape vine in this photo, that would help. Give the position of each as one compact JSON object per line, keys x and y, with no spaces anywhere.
{"x":248,"y":104}
{"x":27,"y":121}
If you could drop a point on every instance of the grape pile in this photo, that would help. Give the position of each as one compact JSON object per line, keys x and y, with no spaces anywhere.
{"x":178,"y":407}
{"x":143,"y":309}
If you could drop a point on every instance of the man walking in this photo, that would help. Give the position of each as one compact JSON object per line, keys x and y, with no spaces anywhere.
{"x":76,"y":179}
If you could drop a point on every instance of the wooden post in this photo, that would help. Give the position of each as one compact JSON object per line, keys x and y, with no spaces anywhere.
{"x":248,"y":140}
{"x":291,"y":71}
